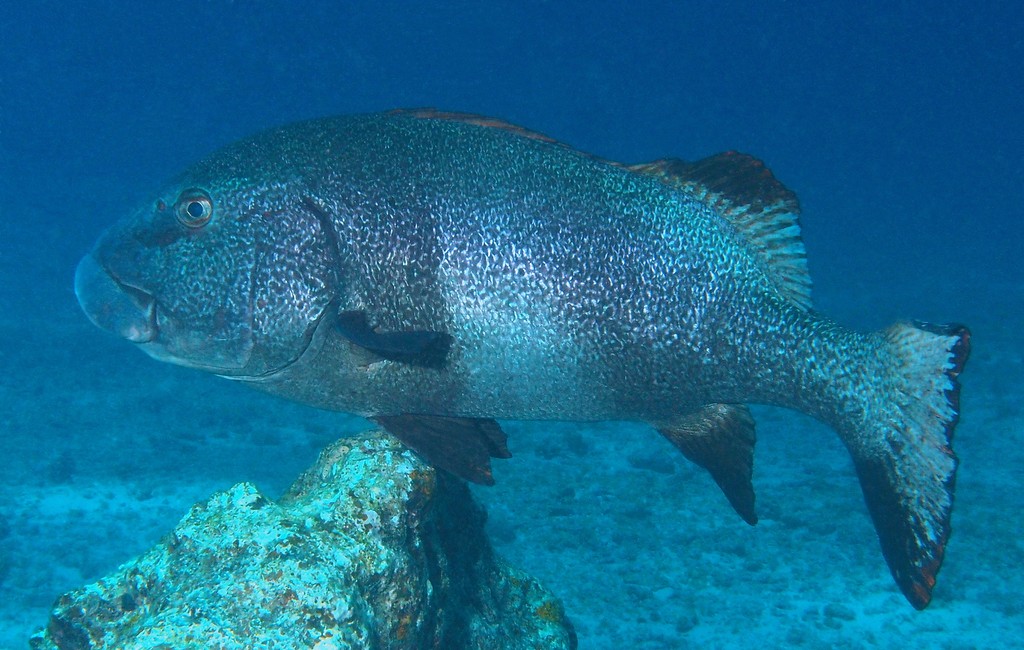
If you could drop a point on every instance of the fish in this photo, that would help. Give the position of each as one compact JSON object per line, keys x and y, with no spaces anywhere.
{"x":436,"y":272}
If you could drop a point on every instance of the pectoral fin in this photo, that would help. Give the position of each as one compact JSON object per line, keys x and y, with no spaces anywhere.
{"x":418,"y":348}
{"x":462,"y":446}
{"x":720,"y":438}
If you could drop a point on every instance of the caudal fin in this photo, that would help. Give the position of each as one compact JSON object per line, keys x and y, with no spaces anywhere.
{"x":902,"y":449}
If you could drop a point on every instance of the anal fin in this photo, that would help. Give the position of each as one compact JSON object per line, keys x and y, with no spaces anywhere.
{"x":462,"y":446}
{"x":720,"y":438}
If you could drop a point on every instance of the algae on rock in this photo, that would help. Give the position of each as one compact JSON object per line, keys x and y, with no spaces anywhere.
{"x":370,"y":548}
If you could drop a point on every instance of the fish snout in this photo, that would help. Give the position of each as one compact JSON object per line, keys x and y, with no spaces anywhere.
{"x":114,"y":306}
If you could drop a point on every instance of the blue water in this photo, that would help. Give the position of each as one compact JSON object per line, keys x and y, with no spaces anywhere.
{"x":898,"y":125}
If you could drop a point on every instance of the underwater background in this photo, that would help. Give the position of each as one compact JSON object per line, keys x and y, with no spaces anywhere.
{"x":897,"y":124}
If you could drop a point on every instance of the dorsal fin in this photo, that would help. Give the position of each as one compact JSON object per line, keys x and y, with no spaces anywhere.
{"x":737,"y":186}
{"x":765,"y":213}
{"x":478,"y":120}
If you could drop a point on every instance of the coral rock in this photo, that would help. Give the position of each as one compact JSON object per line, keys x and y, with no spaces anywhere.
{"x":370,"y":548}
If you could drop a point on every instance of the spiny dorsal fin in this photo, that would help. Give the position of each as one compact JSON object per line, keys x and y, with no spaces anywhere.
{"x":478,"y":120}
{"x":737,"y":186}
{"x":765,"y":213}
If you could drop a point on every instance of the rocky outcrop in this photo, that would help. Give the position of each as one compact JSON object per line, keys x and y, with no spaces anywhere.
{"x":370,"y":548}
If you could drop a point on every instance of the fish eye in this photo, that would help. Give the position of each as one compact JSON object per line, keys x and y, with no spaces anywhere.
{"x":194,"y":208}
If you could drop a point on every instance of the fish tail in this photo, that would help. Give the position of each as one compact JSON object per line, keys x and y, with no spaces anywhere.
{"x":900,"y":436}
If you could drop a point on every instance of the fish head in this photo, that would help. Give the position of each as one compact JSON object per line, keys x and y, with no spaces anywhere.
{"x":220,"y":272}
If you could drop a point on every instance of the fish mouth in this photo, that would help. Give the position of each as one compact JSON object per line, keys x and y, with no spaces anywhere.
{"x":114,"y":305}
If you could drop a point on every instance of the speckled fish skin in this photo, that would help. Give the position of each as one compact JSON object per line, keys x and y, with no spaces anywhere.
{"x":571,"y":288}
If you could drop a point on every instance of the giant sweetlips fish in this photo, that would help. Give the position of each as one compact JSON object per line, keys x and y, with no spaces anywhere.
{"x":438,"y":271}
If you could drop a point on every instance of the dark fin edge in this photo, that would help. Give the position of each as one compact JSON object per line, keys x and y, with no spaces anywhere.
{"x":720,"y":438}
{"x":462,"y":446}
{"x":764,"y":212}
{"x":908,"y":481}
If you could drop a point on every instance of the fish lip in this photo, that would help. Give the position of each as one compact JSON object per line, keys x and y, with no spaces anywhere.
{"x":147,"y":305}
{"x":114,"y":305}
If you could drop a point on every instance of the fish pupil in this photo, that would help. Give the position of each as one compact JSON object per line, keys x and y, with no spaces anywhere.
{"x":196,"y":210}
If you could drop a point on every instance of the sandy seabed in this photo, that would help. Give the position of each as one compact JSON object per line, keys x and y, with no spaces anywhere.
{"x":103,"y":450}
